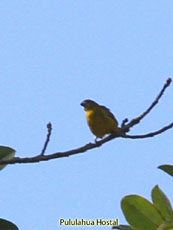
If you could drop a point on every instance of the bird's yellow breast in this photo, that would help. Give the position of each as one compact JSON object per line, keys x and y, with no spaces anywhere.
{"x":100,"y":123}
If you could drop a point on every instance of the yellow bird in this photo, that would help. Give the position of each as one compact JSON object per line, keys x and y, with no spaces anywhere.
{"x":100,"y":120}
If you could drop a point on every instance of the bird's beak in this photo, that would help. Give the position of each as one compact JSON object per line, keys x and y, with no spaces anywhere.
{"x":82,"y":103}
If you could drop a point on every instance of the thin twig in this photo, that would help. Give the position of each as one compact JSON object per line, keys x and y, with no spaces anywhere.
{"x":49,"y":129}
{"x":136,"y":120}
{"x":124,"y":122}
{"x":152,"y":134}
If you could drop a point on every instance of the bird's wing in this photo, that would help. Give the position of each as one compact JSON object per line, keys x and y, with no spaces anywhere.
{"x":109,"y":113}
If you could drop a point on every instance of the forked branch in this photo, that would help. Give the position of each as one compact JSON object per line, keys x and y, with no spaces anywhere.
{"x":123,"y":133}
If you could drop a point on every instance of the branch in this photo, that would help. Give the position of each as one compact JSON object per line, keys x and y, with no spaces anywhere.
{"x":152,"y":134}
{"x":136,"y":120}
{"x":82,"y":149}
{"x":40,"y":157}
{"x":122,"y":133}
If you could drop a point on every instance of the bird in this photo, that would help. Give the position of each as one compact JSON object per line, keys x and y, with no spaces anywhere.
{"x":100,"y":120}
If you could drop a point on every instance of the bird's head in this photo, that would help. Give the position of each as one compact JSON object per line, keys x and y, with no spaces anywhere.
{"x":89,"y":104}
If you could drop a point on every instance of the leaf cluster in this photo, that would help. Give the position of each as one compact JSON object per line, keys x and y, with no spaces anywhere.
{"x":142,"y":214}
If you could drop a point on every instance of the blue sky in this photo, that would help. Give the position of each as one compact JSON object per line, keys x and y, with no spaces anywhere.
{"x":53,"y":55}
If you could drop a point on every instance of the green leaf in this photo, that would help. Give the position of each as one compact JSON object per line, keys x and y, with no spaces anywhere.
{"x":167,"y":168}
{"x":7,"y":225}
{"x":140,"y":213}
{"x":122,"y":227}
{"x":6,"y":153}
{"x":162,"y":203}
{"x":166,"y":226}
